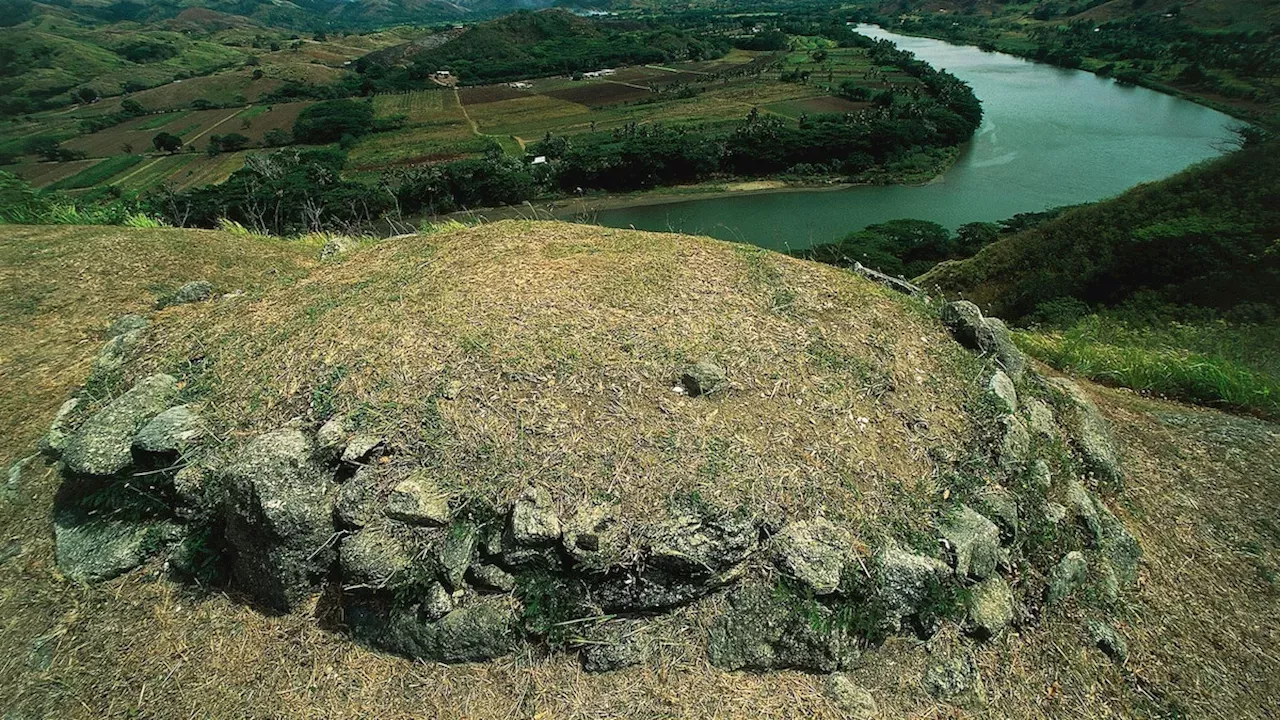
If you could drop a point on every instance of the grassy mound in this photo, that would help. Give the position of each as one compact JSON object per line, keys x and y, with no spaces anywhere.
{"x":657,"y":302}
{"x":546,"y":354}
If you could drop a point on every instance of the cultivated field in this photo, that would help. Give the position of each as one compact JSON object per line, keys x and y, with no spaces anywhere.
{"x":442,"y":124}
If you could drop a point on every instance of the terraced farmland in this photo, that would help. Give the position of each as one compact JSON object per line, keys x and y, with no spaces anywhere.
{"x":445,"y":124}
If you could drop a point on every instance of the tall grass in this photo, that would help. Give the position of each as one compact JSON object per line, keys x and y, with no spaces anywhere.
{"x":1231,"y":365}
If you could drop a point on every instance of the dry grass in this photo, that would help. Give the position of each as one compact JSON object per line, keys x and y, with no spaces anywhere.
{"x":1202,"y":626}
{"x":566,"y":341}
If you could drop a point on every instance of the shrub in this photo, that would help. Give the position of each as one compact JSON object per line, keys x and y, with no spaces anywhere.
{"x":328,"y":121}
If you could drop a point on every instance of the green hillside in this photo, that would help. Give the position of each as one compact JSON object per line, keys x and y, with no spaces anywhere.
{"x":1172,"y":288}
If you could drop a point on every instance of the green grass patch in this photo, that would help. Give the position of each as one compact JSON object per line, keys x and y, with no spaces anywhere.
{"x":160,"y":121}
{"x":1214,"y":363}
{"x":97,"y":174}
{"x":250,"y":113}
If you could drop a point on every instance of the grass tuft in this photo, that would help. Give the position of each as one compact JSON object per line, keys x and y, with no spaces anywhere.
{"x":1214,"y":363}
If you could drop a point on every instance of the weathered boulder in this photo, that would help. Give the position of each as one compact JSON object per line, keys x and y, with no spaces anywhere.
{"x":490,"y":578}
{"x":417,"y":500}
{"x":974,"y":542}
{"x":616,"y":645}
{"x":905,"y":580}
{"x":124,"y":324}
{"x":595,"y":537}
{"x":1040,"y":419}
{"x":1001,"y":392}
{"x":989,"y":336}
{"x":994,"y":339}
{"x":194,"y":291}
{"x":337,"y":245}
{"x":437,"y":602}
{"x":1091,"y":433}
{"x":374,"y":558}
{"x":331,"y":438}
{"x":533,"y":518}
{"x":853,"y":700}
{"x":1082,"y":508}
{"x":55,"y":439}
{"x":1015,"y":444}
{"x":964,"y":320}
{"x":483,"y":630}
{"x":169,"y":433}
{"x":814,"y":552}
{"x":360,"y":447}
{"x":956,"y":680}
{"x":103,"y":444}
{"x":278,"y":518}
{"x":703,"y":378}
{"x":356,"y":504}
{"x":1067,"y":577}
{"x":999,"y":505}
{"x":762,"y":631}
{"x":1119,"y":546}
{"x":115,"y":351}
{"x":94,"y":550}
{"x":702,"y":543}
{"x":455,"y":551}
{"x":990,"y":605}
{"x":1109,"y":641}
{"x":1041,"y":476}
{"x":13,"y":478}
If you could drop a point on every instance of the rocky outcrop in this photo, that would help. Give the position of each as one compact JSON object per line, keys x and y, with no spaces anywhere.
{"x":703,"y":378}
{"x":194,"y":291}
{"x":990,"y":607}
{"x":92,"y":550}
{"x":813,"y":552}
{"x":762,"y":631}
{"x":454,"y":579}
{"x":482,"y":630}
{"x":905,"y":580}
{"x":279,"y":522}
{"x":103,"y":444}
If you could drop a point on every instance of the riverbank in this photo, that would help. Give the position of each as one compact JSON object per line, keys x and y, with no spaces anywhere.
{"x":1010,"y":43}
{"x":584,"y":208}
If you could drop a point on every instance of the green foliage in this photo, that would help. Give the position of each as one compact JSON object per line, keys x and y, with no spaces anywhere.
{"x":550,"y":604}
{"x":50,"y":150}
{"x":231,"y":142}
{"x":167,"y":142}
{"x":533,"y":44}
{"x":287,"y":192}
{"x":904,"y":248}
{"x":1215,"y":362}
{"x":329,"y":121}
{"x":22,"y":205}
{"x":1205,"y":237}
{"x":766,"y":40}
{"x":97,"y":173}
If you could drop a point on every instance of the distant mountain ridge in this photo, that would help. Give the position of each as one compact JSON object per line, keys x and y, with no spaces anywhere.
{"x":297,"y":14}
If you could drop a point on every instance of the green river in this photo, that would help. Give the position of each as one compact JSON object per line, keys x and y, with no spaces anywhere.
{"x":1050,"y":137}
